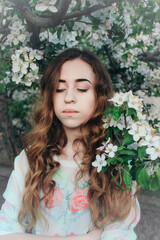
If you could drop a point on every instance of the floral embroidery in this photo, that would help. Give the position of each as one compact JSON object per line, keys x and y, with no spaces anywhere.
{"x":4,"y":219}
{"x":78,"y":200}
{"x":112,"y":227}
{"x":7,"y":205}
{"x":53,"y":199}
{"x":57,"y":235}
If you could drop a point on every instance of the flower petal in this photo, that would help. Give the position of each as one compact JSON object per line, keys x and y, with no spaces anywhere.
{"x":95,"y":164}
{"x":52,"y":9}
{"x":41,"y":7}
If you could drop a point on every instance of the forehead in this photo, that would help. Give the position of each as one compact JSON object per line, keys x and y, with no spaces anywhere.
{"x":76,"y":69}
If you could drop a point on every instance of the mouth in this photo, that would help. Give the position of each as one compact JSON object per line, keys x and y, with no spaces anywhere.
{"x":70,"y":111}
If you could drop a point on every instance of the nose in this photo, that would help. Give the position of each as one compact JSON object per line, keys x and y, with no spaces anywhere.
{"x":70,"y":96}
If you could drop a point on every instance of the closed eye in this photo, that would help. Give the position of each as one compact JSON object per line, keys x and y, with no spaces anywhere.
{"x":82,"y":90}
{"x":60,"y":90}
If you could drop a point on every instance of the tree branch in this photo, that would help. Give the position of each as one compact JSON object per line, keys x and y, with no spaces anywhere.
{"x":83,"y":12}
{"x":39,"y":21}
{"x":109,"y":3}
{"x":111,"y":60}
{"x":151,"y":56}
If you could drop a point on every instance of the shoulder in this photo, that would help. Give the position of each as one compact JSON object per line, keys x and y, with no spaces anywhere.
{"x":21,"y":163}
{"x":21,"y":167}
{"x":16,"y":184}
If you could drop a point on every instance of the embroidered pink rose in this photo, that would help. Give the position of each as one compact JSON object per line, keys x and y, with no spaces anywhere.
{"x":4,"y":219}
{"x":53,"y":199}
{"x":72,"y":234}
{"x":57,"y":235}
{"x":78,"y":200}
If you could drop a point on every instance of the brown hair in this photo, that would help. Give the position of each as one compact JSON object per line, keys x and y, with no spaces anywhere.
{"x":47,"y":138}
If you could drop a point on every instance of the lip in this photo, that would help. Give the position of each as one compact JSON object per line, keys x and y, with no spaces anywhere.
{"x":70,"y":111}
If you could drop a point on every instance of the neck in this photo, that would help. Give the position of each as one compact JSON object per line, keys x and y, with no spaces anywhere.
{"x":69,"y":150}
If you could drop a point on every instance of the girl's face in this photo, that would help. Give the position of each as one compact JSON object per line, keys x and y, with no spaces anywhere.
{"x":74,"y":99}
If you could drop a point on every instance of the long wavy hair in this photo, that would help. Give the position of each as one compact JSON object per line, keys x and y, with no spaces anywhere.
{"x":47,"y":138}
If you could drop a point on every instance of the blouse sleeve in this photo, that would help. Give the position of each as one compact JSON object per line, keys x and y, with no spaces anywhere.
{"x":13,"y":197}
{"x":123,"y":230}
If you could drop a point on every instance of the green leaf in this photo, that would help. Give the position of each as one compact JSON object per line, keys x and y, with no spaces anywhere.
{"x":142,"y":152}
{"x":133,"y":172}
{"x":116,"y":113}
{"x":158,"y":176}
{"x":127,"y":151}
{"x":158,"y":160}
{"x":143,"y":178}
{"x":59,"y":31}
{"x":104,"y":169}
{"x":116,"y":182}
{"x":127,"y":179}
{"x":108,"y":111}
{"x":128,"y":139}
{"x":111,"y":161}
{"x":109,"y":133}
{"x":124,"y":158}
{"x":121,"y":147}
{"x":132,"y":112}
{"x":154,"y":184}
{"x":116,"y":130}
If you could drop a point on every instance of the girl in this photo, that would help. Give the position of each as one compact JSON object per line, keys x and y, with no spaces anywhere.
{"x":54,"y":191}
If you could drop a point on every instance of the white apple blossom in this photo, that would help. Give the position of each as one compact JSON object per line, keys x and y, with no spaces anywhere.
{"x":156,"y":31}
{"x":132,"y":41}
{"x":154,"y":117}
{"x":104,"y":145}
{"x":134,"y":101}
{"x":129,"y":121}
{"x":145,"y":38}
{"x":99,"y":162}
{"x":53,"y":38}
{"x":18,"y":33}
{"x":119,"y":98}
{"x":129,"y":62}
{"x":137,"y":131}
{"x":13,"y":37}
{"x":143,"y":68}
{"x":43,"y":35}
{"x":149,"y":140}
{"x":152,"y":168}
{"x":141,"y":117}
{"x":119,"y":123}
{"x":70,"y":38}
{"x":17,"y":78}
{"x":154,"y":150}
{"x":106,"y":121}
{"x":154,"y":76}
{"x":46,"y":5}
{"x":24,"y":67}
{"x":85,"y":26}
{"x":111,"y":150}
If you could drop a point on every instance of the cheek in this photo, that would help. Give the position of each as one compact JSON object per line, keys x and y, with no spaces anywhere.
{"x":91,"y":104}
{"x":56,"y":104}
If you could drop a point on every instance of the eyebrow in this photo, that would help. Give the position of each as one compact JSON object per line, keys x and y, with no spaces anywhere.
{"x":77,"y":80}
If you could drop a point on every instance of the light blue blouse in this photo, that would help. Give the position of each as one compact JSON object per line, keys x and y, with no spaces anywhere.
{"x":67,"y":210}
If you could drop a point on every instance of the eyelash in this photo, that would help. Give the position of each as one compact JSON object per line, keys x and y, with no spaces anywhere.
{"x":79,"y":89}
{"x":60,"y":90}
